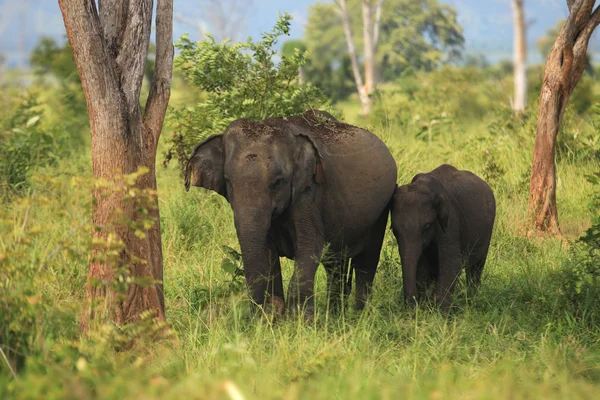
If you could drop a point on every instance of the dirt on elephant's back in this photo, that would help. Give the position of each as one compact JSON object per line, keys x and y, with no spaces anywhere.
{"x":321,"y":125}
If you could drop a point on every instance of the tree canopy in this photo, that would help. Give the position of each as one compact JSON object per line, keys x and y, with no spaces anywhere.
{"x":422,"y":35}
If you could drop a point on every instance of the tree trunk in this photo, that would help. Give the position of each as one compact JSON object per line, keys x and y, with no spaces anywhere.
{"x":520,"y":57}
{"x":564,"y":67}
{"x":376,"y":29}
{"x":301,"y":75}
{"x":110,"y":47}
{"x":369,"y":46}
{"x":365,"y":100}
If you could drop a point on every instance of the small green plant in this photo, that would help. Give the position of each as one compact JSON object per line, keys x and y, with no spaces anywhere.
{"x":429,"y":130}
{"x":242,"y":80}
{"x":232,"y":266}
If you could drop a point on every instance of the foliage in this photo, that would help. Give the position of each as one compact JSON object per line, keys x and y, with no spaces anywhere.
{"x":26,"y":142}
{"x":49,"y":58}
{"x":233,"y":266}
{"x":576,"y":140}
{"x":427,"y":104}
{"x":421,"y":35}
{"x":581,"y":275}
{"x":26,"y":308}
{"x":242,"y":80}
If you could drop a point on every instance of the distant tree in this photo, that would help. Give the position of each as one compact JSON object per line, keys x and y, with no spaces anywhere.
{"x":520,"y":56}
{"x":224,"y":19}
{"x":48,"y":57}
{"x":421,"y":34}
{"x":564,"y":67}
{"x":477,"y":60}
{"x":370,"y":29}
{"x":110,"y":44}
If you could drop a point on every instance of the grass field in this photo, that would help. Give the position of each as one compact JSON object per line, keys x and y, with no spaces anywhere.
{"x":517,"y":338}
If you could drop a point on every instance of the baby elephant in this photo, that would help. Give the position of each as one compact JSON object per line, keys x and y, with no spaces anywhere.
{"x":442,"y":221}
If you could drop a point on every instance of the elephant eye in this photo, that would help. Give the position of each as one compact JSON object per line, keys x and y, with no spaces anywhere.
{"x":276,"y":183}
{"x":427,"y":226}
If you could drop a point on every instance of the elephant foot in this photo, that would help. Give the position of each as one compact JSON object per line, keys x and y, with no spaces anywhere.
{"x":306,"y":309}
{"x":274,"y":308}
{"x":411,"y":301}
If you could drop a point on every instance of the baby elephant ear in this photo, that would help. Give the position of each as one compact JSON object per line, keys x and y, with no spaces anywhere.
{"x":205,"y":166}
{"x":442,"y":209}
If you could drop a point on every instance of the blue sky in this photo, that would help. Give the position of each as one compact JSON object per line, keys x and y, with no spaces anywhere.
{"x":487,"y":23}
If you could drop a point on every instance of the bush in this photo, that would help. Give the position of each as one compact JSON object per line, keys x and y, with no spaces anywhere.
{"x":429,"y":104}
{"x":24,"y":144}
{"x":242,"y":81}
{"x":581,"y":275}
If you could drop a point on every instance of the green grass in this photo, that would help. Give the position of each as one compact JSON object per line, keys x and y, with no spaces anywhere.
{"x":515,"y":339}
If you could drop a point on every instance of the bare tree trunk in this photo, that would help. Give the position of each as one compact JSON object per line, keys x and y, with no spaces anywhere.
{"x":301,"y":75}
{"x":520,"y":57}
{"x":369,"y":46}
{"x":110,"y":46}
{"x":376,"y":28}
{"x":564,"y":67}
{"x":365,"y":100}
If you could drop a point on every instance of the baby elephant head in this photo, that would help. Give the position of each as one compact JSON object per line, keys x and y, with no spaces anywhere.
{"x":419,"y":214}
{"x":419,"y":210}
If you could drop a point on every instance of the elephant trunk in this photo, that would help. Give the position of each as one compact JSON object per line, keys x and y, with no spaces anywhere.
{"x":409,"y":256}
{"x":252,"y":225}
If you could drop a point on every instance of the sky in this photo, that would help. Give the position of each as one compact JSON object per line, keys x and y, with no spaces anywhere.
{"x":487,"y":23}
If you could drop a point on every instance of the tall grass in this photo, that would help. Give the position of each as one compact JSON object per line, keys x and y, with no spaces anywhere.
{"x":517,"y":338}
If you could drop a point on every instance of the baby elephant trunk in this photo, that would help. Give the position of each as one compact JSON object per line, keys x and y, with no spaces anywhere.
{"x":409,"y":256}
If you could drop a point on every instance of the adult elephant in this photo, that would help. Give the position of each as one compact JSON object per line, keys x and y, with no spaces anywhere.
{"x":295,"y":184}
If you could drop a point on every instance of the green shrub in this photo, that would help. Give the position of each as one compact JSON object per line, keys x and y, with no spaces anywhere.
{"x":426,"y":105}
{"x":27,"y":142}
{"x":581,"y":275}
{"x":241,"y":81}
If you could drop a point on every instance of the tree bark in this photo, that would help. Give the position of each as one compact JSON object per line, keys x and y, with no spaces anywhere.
{"x":520,"y":57}
{"x":110,"y":47}
{"x":564,"y":67}
{"x":365,"y":100}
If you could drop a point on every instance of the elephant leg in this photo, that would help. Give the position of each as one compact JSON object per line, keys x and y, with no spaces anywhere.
{"x":301,"y":288}
{"x":336,"y":270}
{"x":365,"y":263}
{"x":449,"y":271}
{"x":473,"y":274}
{"x":275,"y":293}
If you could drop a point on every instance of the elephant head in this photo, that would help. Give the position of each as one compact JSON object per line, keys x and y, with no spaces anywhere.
{"x":420,"y":213}
{"x":261,"y":168}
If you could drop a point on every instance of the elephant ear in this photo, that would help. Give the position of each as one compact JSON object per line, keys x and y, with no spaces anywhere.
{"x":417,"y":177}
{"x":205,"y":166}
{"x":442,"y":209}
{"x":319,"y":169}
